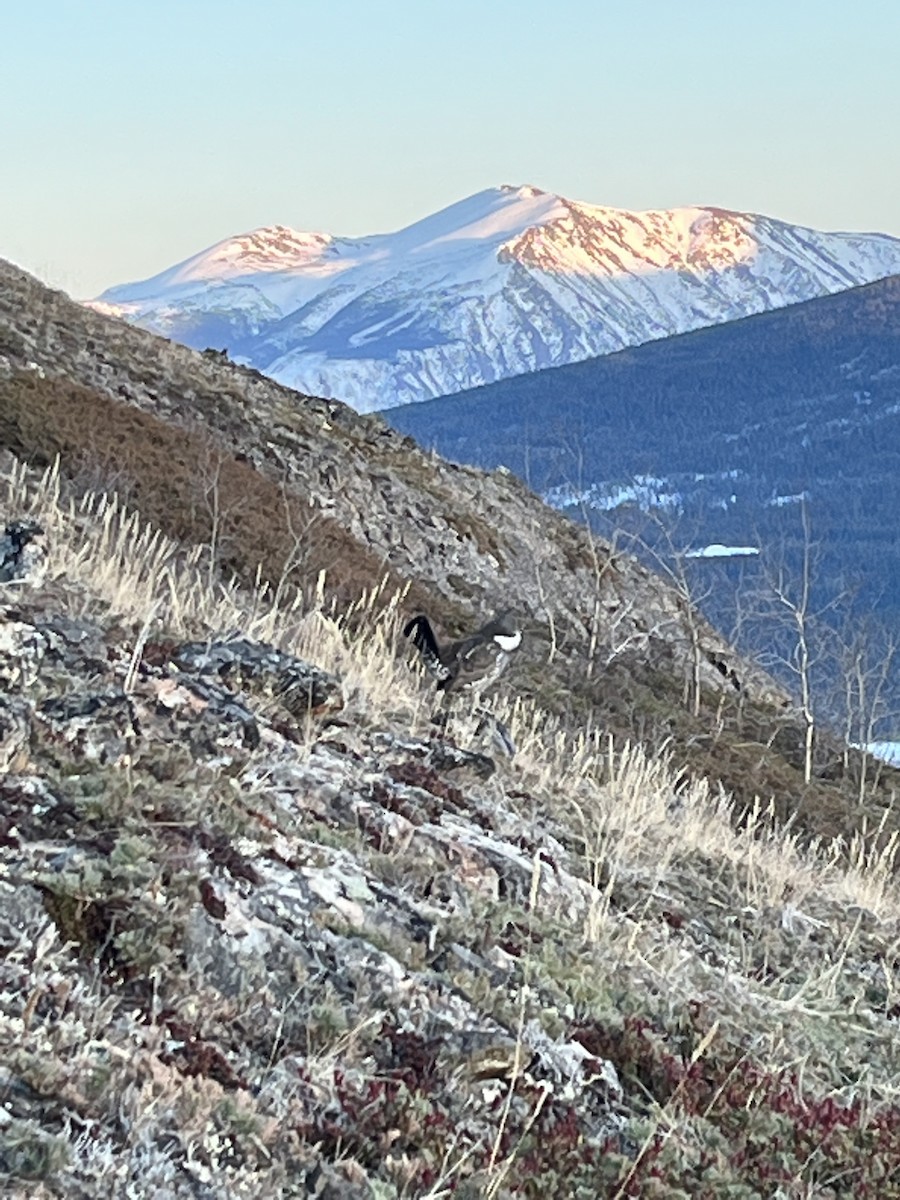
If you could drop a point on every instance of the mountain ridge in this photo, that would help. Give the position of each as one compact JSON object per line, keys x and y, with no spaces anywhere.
{"x":504,"y":282}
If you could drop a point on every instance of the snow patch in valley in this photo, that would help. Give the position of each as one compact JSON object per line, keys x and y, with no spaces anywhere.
{"x":717,"y":550}
{"x":644,"y":491}
{"x":781,"y":501}
{"x":888,"y":752}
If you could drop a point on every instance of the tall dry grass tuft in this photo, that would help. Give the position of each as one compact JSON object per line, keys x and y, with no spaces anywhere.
{"x":637,"y":810}
{"x":359,"y":644}
{"x":122,"y":563}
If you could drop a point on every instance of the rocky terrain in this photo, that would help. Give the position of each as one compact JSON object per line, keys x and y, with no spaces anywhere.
{"x":267,"y":929}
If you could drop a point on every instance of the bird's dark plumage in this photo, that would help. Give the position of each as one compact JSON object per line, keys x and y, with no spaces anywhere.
{"x":471,"y":663}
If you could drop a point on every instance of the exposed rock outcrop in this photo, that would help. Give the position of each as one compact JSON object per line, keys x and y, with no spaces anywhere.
{"x":260,"y":939}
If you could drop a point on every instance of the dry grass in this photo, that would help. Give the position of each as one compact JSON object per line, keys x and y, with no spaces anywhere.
{"x":633,"y":809}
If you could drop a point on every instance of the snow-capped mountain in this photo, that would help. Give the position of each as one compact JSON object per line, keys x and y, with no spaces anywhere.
{"x":508,"y":281}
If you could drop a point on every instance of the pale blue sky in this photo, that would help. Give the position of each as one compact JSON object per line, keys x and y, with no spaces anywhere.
{"x":137,"y":132}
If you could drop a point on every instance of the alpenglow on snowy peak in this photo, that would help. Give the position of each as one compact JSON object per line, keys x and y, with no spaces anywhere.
{"x":508,"y":281}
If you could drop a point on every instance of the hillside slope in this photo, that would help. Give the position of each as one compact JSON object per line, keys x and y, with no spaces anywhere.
{"x":279,"y":487}
{"x":266,"y":931}
{"x":508,"y":281}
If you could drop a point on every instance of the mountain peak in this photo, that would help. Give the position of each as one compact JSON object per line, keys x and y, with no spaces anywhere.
{"x":525,"y":190}
{"x":508,"y":280}
{"x":265,"y":246}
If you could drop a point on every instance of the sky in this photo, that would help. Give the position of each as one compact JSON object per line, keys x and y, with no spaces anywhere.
{"x":135,"y":133}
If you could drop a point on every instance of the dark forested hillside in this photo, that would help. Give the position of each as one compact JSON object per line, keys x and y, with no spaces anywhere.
{"x":724,"y":429}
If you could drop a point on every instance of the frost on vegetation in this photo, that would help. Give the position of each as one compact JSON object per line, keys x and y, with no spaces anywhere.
{"x":253,"y":946}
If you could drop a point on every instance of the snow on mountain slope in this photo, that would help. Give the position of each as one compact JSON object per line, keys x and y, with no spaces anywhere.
{"x":507,"y":281}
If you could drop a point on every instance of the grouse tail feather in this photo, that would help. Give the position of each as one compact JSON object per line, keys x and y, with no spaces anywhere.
{"x":419,"y":628}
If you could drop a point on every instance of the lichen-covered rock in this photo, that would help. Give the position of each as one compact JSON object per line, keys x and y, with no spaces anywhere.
{"x":243,"y":665}
{"x":14,"y":731}
{"x":22,"y":647}
{"x":23,"y":553}
{"x":99,"y":727}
